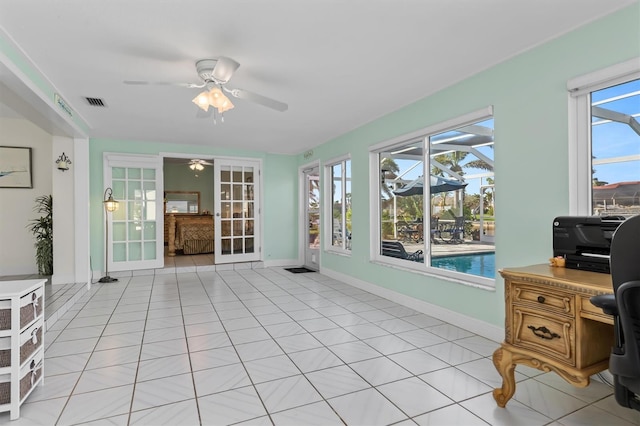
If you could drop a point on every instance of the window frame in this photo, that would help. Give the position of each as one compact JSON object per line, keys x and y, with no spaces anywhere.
{"x":374,"y":199}
{"x":328,"y":205}
{"x":579,"y":90}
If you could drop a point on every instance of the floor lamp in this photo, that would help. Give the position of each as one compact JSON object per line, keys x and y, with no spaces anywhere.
{"x":110,"y":205}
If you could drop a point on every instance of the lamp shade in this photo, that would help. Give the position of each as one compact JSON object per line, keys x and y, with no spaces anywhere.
{"x":202,"y":100}
{"x":110,"y":204}
{"x":215,"y":98}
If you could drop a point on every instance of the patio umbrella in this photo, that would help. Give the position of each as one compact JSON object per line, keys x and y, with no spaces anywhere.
{"x":437,"y":184}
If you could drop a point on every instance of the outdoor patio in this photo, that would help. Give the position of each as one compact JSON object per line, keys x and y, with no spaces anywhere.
{"x":468,"y":247}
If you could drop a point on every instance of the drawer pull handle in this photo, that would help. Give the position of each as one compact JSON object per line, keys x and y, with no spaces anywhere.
{"x":540,"y":299}
{"x":544,"y":333}
{"x":34,"y":302}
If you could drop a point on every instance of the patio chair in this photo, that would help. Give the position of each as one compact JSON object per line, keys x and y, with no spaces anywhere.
{"x":435,"y":230}
{"x":397,"y":250}
{"x":338,"y":234}
{"x":404,"y":231}
{"x":453,"y":232}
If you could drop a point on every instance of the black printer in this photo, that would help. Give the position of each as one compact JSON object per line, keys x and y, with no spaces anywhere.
{"x":585,"y":241}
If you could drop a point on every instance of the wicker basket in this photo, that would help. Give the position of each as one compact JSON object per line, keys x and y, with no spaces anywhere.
{"x":29,"y":347}
{"x":5,"y":319}
{"x":26,"y":383}
{"x":28,"y":313}
{"x":26,"y":349}
{"x":5,"y":357}
{"x":29,"y":379}
{"x":5,"y":392}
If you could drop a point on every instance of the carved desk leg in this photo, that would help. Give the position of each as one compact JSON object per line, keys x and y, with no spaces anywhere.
{"x":503,"y":361}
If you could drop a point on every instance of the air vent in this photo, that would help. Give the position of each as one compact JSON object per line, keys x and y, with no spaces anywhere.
{"x":96,"y":102}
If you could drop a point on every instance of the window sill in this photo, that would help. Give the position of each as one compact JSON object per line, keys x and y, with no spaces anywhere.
{"x":445,"y":275}
{"x":338,"y":252}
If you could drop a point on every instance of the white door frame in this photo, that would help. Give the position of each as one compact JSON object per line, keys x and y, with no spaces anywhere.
{"x":257,"y":254}
{"x":115,"y":159}
{"x":303,"y":199}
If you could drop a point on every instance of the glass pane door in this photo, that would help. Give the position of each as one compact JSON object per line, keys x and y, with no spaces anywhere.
{"x":312,"y":209}
{"x":135,"y":238}
{"x":237,"y":237}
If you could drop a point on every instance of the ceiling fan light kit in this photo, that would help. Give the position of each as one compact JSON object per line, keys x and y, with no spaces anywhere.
{"x":197,"y":165}
{"x":214,"y":98}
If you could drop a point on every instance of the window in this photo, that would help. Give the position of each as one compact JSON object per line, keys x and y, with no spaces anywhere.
{"x":615,"y":150}
{"x":436,"y":199}
{"x":339,"y":174}
{"x":606,"y":108}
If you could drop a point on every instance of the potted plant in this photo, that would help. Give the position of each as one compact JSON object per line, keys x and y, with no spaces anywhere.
{"x":42,"y":229}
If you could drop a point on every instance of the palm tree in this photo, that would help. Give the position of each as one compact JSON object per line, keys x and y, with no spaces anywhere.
{"x":388,"y":170}
{"x":452,"y":160}
{"x":478,"y":164}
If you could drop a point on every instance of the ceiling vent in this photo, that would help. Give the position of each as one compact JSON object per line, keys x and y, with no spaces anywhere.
{"x":96,"y":102}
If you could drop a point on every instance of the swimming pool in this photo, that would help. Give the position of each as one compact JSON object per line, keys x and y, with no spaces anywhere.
{"x":481,"y":264}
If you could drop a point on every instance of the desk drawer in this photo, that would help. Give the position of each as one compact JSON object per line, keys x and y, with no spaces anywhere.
{"x":536,"y":297}
{"x":588,"y":310}
{"x":547,"y":335}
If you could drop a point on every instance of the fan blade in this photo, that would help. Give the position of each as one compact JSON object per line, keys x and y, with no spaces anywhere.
{"x":224,"y":69}
{"x":199,"y":161}
{"x":258,"y":99}
{"x":159,"y":83}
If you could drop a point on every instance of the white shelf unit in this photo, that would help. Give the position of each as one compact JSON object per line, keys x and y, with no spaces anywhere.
{"x":21,"y":335}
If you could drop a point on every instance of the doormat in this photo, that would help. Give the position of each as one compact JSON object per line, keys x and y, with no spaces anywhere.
{"x":301,"y":270}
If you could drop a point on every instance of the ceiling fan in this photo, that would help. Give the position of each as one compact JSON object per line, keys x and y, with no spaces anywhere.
{"x":215,"y":74}
{"x":197,"y":164}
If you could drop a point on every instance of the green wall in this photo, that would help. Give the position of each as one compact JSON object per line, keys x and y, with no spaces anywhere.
{"x":530,"y":100}
{"x":179,"y":177}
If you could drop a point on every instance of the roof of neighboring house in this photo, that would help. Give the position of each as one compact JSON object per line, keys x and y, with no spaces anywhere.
{"x":618,"y":191}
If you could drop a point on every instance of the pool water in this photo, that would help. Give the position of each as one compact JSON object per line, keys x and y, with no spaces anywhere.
{"x":481,"y":264}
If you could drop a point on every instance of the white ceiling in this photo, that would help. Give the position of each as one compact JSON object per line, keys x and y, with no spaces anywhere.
{"x":338,"y":63}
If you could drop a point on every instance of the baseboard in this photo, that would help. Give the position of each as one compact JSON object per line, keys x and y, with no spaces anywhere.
{"x":481,"y":328}
{"x":281,"y":262}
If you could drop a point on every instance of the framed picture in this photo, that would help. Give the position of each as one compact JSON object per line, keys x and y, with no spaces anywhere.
{"x":15,"y":167}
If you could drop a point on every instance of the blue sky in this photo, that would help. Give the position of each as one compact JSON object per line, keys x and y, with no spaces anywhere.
{"x":611,"y":140}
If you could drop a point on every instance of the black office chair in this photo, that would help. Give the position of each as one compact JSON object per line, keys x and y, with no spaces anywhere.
{"x":624,"y":305}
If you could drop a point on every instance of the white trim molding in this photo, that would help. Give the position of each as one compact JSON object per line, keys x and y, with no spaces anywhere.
{"x":579,"y":127}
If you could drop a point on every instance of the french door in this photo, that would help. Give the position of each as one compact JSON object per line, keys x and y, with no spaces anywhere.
{"x":135,"y":239}
{"x":312,"y":218}
{"x":237,"y":210}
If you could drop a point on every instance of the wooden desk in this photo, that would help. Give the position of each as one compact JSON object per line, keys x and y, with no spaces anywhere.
{"x":551,"y":325}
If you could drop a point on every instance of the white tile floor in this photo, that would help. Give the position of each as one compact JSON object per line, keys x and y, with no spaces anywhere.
{"x":265,"y":347}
